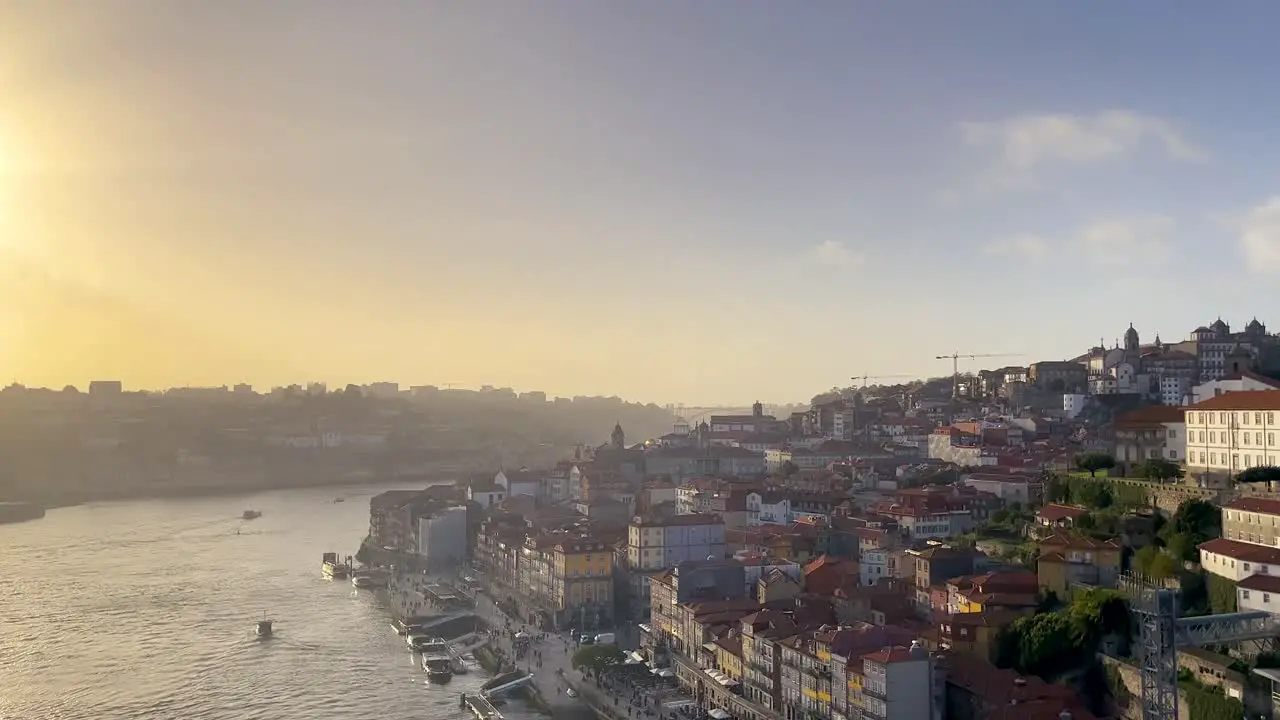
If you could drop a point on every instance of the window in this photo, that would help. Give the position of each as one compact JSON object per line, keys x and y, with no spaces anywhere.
{"x":1246,"y":438}
{"x":1246,"y":567}
{"x":1271,"y":438}
{"x":1248,"y":460}
{"x":1212,"y":437}
{"x":1244,"y":594}
{"x":1201,"y":436}
{"x":1257,"y":418}
{"x":1244,"y":418}
{"x":1271,"y":418}
{"x":1213,"y":458}
{"x":1235,"y":460}
{"x":1222,"y":418}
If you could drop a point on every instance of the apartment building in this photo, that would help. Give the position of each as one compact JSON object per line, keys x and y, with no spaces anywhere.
{"x":1231,"y":433}
{"x":1252,"y":520}
{"x":897,"y":684}
{"x":663,"y":542}
{"x":1066,"y":560}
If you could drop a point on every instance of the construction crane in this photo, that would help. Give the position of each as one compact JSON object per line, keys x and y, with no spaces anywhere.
{"x":955,"y":366}
{"x":865,"y":378}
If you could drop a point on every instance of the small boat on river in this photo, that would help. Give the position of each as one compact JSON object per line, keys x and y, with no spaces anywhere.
{"x":250,"y":515}
{"x":264,"y":627}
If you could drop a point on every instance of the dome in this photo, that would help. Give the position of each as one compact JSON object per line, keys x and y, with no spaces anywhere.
{"x":1255,"y":327}
{"x":1131,"y":338}
{"x":1219,"y":326}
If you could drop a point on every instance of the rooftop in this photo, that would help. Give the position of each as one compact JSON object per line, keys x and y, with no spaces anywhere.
{"x":1261,"y":583}
{"x":1266,"y":506}
{"x":1243,"y":400}
{"x":1247,"y":552}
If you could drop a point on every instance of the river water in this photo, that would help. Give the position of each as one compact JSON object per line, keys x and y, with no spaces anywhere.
{"x":146,"y":609}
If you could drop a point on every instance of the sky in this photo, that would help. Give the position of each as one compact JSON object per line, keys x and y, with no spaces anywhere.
{"x":687,"y":202}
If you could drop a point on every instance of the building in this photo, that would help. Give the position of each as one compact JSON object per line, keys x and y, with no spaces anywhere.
{"x":1022,"y":489}
{"x":1014,"y":591}
{"x":1058,"y":376}
{"x":1243,"y":381}
{"x":700,"y":461}
{"x":1231,"y":433}
{"x":1067,"y":560}
{"x":897,"y":684}
{"x":935,"y":565}
{"x":1054,"y":515}
{"x":664,"y":542}
{"x":1252,"y":520}
{"x":568,"y":577}
{"x":1236,"y":560}
{"x":1154,"y":432}
{"x":442,"y":538}
{"x":1259,"y":592}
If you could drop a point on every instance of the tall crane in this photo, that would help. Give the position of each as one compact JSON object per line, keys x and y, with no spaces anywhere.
{"x":955,"y":366}
{"x":865,"y":378}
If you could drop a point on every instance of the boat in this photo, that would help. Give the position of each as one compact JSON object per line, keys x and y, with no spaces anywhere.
{"x":264,"y":628}
{"x":367,"y":582}
{"x":250,"y":515}
{"x":333,"y":569}
{"x":437,"y":660}
{"x":339,"y":499}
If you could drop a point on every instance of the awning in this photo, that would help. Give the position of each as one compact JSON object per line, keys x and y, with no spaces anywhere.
{"x":718,"y":714}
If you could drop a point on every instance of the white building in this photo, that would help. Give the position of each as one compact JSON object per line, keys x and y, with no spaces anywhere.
{"x":442,"y":538}
{"x":1236,"y":560}
{"x":1232,"y":432}
{"x":874,"y":564}
{"x":1009,"y":488}
{"x":768,"y":508}
{"x":1240,"y":382}
{"x":1259,"y":592}
{"x":898,"y":683}
{"x":1175,"y":390}
{"x":1072,"y":404}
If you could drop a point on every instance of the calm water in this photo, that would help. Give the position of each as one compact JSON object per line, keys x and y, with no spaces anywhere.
{"x":146,"y":609}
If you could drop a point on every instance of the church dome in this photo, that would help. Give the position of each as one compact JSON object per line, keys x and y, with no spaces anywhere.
{"x":1131,"y":338}
{"x":1255,"y":327}
{"x":1220,"y":327}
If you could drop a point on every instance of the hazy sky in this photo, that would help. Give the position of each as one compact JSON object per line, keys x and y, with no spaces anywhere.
{"x":711,"y":201}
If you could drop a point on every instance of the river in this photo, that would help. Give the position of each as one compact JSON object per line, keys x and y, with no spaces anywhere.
{"x":146,"y":609}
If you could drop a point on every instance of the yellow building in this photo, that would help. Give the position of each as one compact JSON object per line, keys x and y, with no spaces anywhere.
{"x":1069,"y":559}
{"x":581,"y":576}
{"x":729,"y":655}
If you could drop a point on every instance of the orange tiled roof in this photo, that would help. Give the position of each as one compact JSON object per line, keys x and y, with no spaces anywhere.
{"x":1243,"y":400}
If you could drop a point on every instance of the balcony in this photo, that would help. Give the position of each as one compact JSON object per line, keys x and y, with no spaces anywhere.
{"x":874,"y":690}
{"x":822,"y":673}
{"x":761,"y":668}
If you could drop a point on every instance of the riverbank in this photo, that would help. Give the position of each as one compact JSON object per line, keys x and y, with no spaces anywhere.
{"x":68,"y":498}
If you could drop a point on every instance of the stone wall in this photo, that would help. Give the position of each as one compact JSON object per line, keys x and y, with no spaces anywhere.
{"x":1128,"y":699}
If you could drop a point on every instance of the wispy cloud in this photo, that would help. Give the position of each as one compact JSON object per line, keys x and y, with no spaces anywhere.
{"x":1127,"y":241}
{"x":1032,"y":248}
{"x":836,"y":254}
{"x":1111,"y":242}
{"x":1022,"y":146}
{"x":1260,"y":236}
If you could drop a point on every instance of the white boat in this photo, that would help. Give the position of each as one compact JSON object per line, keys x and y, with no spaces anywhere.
{"x":366,"y":582}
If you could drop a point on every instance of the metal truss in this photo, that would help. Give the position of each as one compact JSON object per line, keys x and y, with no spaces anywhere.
{"x":1222,"y":629}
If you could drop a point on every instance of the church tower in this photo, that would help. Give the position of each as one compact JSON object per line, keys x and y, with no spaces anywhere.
{"x":1131,"y":339}
{"x":618,"y":439}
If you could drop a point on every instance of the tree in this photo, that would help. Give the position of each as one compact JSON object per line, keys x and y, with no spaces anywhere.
{"x":1094,"y":494}
{"x":1264,"y":473}
{"x":1198,"y":519}
{"x":597,"y":657}
{"x":1056,"y":489}
{"x":788,"y":468}
{"x":1153,"y":563}
{"x":1182,"y":547}
{"x":1222,"y":594}
{"x":1092,"y":462}
{"x":1160,"y":470}
{"x":1086,"y":522}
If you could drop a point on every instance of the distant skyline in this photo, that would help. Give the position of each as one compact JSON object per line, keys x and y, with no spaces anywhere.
{"x":707,"y":203}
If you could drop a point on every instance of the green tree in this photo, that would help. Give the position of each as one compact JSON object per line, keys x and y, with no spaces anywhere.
{"x":1086,"y":522}
{"x":1197,"y":519}
{"x":1160,"y":470}
{"x":1092,"y":462}
{"x":1094,"y":494}
{"x":1153,"y":563}
{"x":788,"y":468}
{"x":1182,"y":547}
{"x":1264,"y":473}
{"x":1056,"y":489}
{"x":1222,"y":594}
{"x":597,"y":657}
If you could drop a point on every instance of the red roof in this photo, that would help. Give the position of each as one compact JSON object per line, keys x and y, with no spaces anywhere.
{"x":1055,"y":512}
{"x":1267,"y":506}
{"x":1261,"y":583}
{"x":1247,"y":552}
{"x":1151,"y":415}
{"x":890,"y":655}
{"x":1243,"y":400}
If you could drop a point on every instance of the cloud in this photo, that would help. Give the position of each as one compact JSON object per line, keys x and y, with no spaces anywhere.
{"x":1029,"y":247}
{"x":836,"y":254}
{"x":1127,"y":241}
{"x":1260,"y":236}
{"x":1025,"y":144}
{"x":1111,"y":242}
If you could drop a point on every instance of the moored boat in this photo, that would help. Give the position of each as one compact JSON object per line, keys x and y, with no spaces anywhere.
{"x":333,"y":569}
{"x":367,"y":582}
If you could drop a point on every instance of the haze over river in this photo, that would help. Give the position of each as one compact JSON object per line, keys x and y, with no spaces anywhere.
{"x":146,"y":609}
